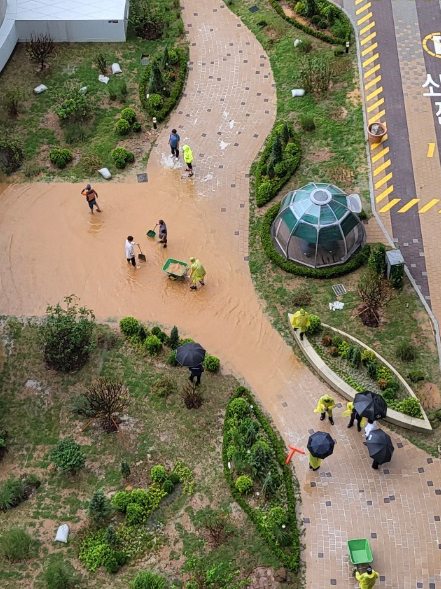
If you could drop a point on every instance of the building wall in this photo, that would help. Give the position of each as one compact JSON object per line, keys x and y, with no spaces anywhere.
{"x":8,"y":40}
{"x":74,"y":30}
{"x":2,"y":10}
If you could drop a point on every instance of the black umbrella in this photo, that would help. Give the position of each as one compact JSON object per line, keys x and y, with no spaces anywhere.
{"x":190,"y":354}
{"x":321,"y":445}
{"x":380,"y":446}
{"x":370,"y":405}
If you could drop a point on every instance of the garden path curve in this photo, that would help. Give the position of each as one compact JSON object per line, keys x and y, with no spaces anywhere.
{"x":50,"y":246}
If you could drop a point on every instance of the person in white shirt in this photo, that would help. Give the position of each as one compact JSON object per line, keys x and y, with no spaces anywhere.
{"x":371,"y":425}
{"x":130,"y":251}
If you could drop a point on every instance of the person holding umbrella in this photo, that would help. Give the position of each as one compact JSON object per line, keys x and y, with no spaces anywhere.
{"x":370,"y":405}
{"x":320,"y":446}
{"x":190,"y":354}
{"x":196,"y":373}
{"x":325,"y":405}
{"x":380,"y":447}
{"x":350,"y":411}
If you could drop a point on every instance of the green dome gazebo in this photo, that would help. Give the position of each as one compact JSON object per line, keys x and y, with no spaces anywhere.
{"x":317,"y":226}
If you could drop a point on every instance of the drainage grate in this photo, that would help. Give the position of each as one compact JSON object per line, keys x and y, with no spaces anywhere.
{"x":254,"y":9}
{"x":142,"y":178}
{"x":339,"y":289}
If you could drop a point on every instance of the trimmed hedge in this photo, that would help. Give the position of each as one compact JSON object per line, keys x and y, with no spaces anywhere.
{"x":310,"y":31}
{"x":290,"y":560}
{"x":171,"y":101}
{"x":265,"y":188}
{"x":352,"y":264}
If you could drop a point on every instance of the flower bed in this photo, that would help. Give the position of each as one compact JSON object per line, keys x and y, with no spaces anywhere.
{"x":260,"y":481}
{"x":163,"y":80}
{"x":278,"y":162}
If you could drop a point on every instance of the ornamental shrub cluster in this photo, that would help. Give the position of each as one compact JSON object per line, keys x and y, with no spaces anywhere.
{"x":60,"y":157}
{"x":121,"y":156}
{"x":127,"y":121}
{"x":11,"y":154}
{"x":278,"y":162}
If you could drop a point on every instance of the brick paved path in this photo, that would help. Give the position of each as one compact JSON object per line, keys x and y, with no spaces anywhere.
{"x":396,"y":508}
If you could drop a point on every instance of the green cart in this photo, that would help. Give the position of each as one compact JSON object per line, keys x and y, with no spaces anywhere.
{"x":174,"y":275}
{"x":360,"y":553}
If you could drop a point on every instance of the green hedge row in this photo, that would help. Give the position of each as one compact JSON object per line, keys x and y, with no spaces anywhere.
{"x":171,"y":101}
{"x":291,"y":560}
{"x":265,"y":188}
{"x":310,"y":31}
{"x":352,"y":264}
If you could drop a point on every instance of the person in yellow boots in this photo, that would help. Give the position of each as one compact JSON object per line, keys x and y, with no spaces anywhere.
{"x":300,"y":320}
{"x":188,"y":159}
{"x":197,"y":273}
{"x":368,"y":579}
{"x":314,"y":463}
{"x":325,"y":405}
{"x":350,"y":411}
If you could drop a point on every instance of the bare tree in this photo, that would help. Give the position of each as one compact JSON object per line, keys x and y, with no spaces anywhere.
{"x":374,"y":293}
{"x":39,"y":48}
{"x":106,"y":398}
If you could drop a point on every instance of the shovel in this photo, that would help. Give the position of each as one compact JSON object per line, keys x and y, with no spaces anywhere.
{"x":152,"y":232}
{"x":141,"y":256}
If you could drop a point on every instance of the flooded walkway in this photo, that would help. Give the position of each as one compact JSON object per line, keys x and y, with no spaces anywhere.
{"x":50,"y":246}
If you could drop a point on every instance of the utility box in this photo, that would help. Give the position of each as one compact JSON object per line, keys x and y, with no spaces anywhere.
{"x":394,"y":261}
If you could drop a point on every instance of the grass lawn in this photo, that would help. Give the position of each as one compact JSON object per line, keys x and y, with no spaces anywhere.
{"x":38,"y":127}
{"x":334,"y":152}
{"x":34,"y":404}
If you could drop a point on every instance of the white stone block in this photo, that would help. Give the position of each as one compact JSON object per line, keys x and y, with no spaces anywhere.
{"x":39,"y":89}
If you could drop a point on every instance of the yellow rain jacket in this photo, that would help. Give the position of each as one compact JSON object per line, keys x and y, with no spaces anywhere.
{"x":314,"y":462}
{"x":300,"y":320}
{"x":188,"y":154}
{"x":347,"y":413}
{"x":325,"y":403}
{"x":366,"y":581}
{"x":197,"y":271}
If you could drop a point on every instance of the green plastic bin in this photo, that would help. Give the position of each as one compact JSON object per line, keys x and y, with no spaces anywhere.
{"x":360,"y":551}
{"x":183,"y":265}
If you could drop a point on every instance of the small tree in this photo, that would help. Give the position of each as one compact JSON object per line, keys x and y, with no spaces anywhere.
{"x":373,"y":292}
{"x":99,"y":506}
{"x":125,"y":469}
{"x":174,"y":338}
{"x":39,"y":48}
{"x":67,"y":456}
{"x":165,"y":59}
{"x":13,"y":98}
{"x":277,"y":150}
{"x":101,"y":63}
{"x":193,"y":397}
{"x":156,"y":82}
{"x":11,"y":154}
{"x":106,"y":398}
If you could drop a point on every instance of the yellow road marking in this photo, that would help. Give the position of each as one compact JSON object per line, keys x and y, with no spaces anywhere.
{"x":429,"y":205}
{"x":375,"y":105}
{"x":382,"y":140}
{"x":374,"y":93}
{"x":358,"y":2}
{"x":385,"y":193}
{"x":370,"y":60}
{"x":372,"y":83}
{"x":430,"y":149}
{"x":369,"y":49}
{"x":376,"y":118}
{"x":409,"y":205}
{"x":365,"y":18}
{"x":367,"y":27}
{"x":383,"y":180}
{"x":389,"y":205}
{"x":369,"y":38}
{"x":363,"y":8}
{"x":379,"y":155}
{"x":381,"y":168}
{"x":372,"y":71}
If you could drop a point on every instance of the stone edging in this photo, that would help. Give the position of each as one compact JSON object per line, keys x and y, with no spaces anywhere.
{"x":341,"y":387}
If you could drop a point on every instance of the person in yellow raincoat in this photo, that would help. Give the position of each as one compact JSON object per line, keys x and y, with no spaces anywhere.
{"x":350,"y":411}
{"x":300,"y":320}
{"x":314,"y":463}
{"x":367,"y":580}
{"x":188,"y":159}
{"x":197,"y":273}
{"x":325,"y":405}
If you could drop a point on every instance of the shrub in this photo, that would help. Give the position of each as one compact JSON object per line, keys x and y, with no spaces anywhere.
{"x":171,"y":360}
{"x":122,"y":127}
{"x":168,"y":486}
{"x":339,"y":51}
{"x":76,"y":106}
{"x":315,"y":73}
{"x":99,"y":506}
{"x":129,"y":115}
{"x":125,"y":469}
{"x":406,"y":351}
{"x":280,"y":169}
{"x":396,"y":277}
{"x":372,"y":291}
{"x":239,"y":407}
{"x":60,"y":157}
{"x":107,"y":397}
{"x":16,"y":545}
{"x":260,"y":459}
{"x":377,"y":259}
{"x":211,"y":363}
{"x":193,"y":397}
{"x":343,"y":349}
{"x":277,"y":516}
{"x":60,"y":575}
{"x":111,"y":564}
{"x":13,"y":97}
{"x":12,"y":493}
{"x":117,"y":89}
{"x":305,"y":46}
{"x":301,"y":297}
{"x":384,"y":373}
{"x":315,"y":325}
{"x":174,"y":338}
{"x":354,"y":356}
{"x":368,"y":356}
{"x":307,"y":122}
{"x":39,"y":48}
{"x":372,"y":368}
{"x":271,"y":483}
{"x":148,"y":580}
{"x":101,"y":63}
{"x":416,"y":375}
{"x":134,"y":514}
{"x":173,"y":57}
{"x":382,"y":383}
{"x":300,"y":8}
{"x":265,"y":193}
{"x":121,"y":156}
{"x":244,"y":485}
{"x":163,"y":386}
{"x":393,"y":384}
{"x":409,"y":406}
{"x":136,"y":127}
{"x":158,"y":474}
{"x":129,"y":326}
{"x":120,"y":500}
{"x":333,"y":351}
{"x":67,"y":336}
{"x":327,"y":340}
{"x":155,"y":102}
{"x":153,"y":345}
{"x":67,"y":456}
{"x":389,"y":395}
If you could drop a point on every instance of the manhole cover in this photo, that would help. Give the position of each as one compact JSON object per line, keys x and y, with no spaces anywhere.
{"x":144,"y":60}
{"x":143,"y":178}
{"x":339,"y":289}
{"x":254,"y":8}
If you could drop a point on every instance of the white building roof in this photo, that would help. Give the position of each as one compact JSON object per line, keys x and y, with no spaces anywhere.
{"x":66,"y":10}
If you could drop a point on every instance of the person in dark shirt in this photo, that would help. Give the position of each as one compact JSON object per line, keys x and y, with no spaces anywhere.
{"x":162,"y":233}
{"x":195,"y":372}
{"x":174,"y":143}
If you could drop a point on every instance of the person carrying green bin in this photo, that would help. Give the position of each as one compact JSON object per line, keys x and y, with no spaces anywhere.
{"x":368,"y":579}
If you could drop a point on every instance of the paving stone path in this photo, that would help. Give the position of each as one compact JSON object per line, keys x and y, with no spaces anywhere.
{"x":230,"y":99}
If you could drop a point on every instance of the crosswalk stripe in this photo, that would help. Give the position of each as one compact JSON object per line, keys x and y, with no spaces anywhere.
{"x":381,"y":168}
{"x":363,"y":8}
{"x":376,"y":118}
{"x":409,"y":205}
{"x":383,"y":180}
{"x":378,"y":156}
{"x":389,"y":205}
{"x":365,"y":18}
{"x":385,"y":193}
{"x":367,"y":28}
{"x":372,"y":82}
{"x":372,"y":71}
{"x":429,"y":205}
{"x":430,"y":149}
{"x":369,"y":49}
{"x":370,"y":60}
{"x":375,"y":105}
{"x":374,"y":93}
{"x":358,"y":2}
{"x":376,"y":145}
{"x":368,"y":38}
